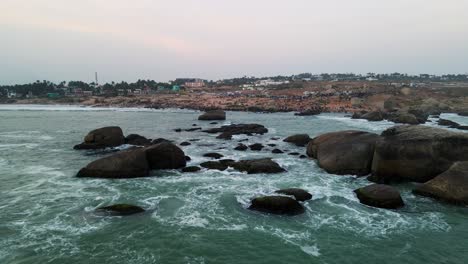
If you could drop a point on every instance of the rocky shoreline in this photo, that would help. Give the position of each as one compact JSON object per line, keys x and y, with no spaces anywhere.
{"x":434,"y":158}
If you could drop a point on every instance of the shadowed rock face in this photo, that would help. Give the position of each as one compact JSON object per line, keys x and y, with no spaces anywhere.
{"x":416,"y":153}
{"x":125,"y":164}
{"x":102,"y":138}
{"x":122,"y":209}
{"x":135,"y":139}
{"x":344,"y":152}
{"x":450,"y":186}
{"x":299,"y":194}
{"x":373,"y":116}
{"x":165,"y":155}
{"x":237,"y":129}
{"x":298,"y":140}
{"x":403,"y":118}
{"x":277,"y":205}
{"x":191,"y":169}
{"x":213,"y":115}
{"x":380,"y":195}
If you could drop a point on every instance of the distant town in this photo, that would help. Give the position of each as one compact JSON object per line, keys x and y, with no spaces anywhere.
{"x":328,"y":92}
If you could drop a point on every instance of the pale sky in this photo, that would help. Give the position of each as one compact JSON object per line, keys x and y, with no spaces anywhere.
{"x":213,"y":39}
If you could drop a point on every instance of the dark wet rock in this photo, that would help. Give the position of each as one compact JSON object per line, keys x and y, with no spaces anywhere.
{"x":159,"y":140}
{"x":191,"y":169}
{"x":227,"y":162}
{"x":121,"y":209}
{"x":241,"y":147}
{"x":449,"y":123}
{"x":277,"y":205}
{"x":302,"y":156}
{"x":462,"y":127}
{"x":265,"y":165}
{"x":256,"y":147}
{"x":373,"y":116}
{"x":358,"y":115}
{"x":271,"y":145}
{"x":213,"y":115}
{"x":238,"y":129}
{"x":102,"y":138}
{"x":299,"y":194}
{"x":380,"y":195}
{"x":274,"y":138}
{"x":178,"y":130}
{"x":298,"y":140}
{"x":225,"y":136}
{"x":403,"y":118}
{"x":416,"y":153}
{"x":243,"y":140}
{"x":194,"y":139}
{"x":214,"y":165}
{"x":213,"y":155}
{"x":277,"y":151}
{"x":213,"y":123}
{"x":194,"y":125}
{"x":294,"y":154}
{"x":451,"y":186}
{"x":344,"y":152}
{"x":185,"y":143}
{"x":135,"y":139}
{"x":165,"y":155}
{"x":309,"y":112}
{"x":124,"y":164}
{"x":463,"y":113}
{"x":192,"y":129}
{"x":187,"y":158}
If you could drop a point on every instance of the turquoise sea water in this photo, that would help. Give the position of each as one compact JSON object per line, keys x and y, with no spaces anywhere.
{"x":47,"y":214}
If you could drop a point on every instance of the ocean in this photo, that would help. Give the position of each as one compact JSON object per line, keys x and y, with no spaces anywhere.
{"x":48,"y":215}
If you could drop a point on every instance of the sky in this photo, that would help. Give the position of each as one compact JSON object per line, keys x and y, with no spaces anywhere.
{"x":127,"y":40}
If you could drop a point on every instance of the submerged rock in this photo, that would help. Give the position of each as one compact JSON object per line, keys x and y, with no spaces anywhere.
{"x":277,"y":205}
{"x":309,"y":112}
{"x":213,"y":115}
{"x":214,"y":165}
{"x":237,"y":129}
{"x":299,"y":140}
{"x":241,"y":147}
{"x":256,"y":147}
{"x":380,"y":195}
{"x":450,"y":186}
{"x":102,"y":138}
{"x":299,"y":194}
{"x":449,"y":123}
{"x":416,"y":153}
{"x":213,"y":155}
{"x":185,"y":143}
{"x":344,"y":152}
{"x":277,"y":151}
{"x":125,"y":164}
{"x":122,"y":209}
{"x":265,"y":165}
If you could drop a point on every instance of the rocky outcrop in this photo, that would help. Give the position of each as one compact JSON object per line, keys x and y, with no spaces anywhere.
{"x":191,"y":169}
{"x":237,"y":129}
{"x":299,"y":194}
{"x":373,"y":116}
{"x":165,"y":155}
{"x":213,"y":115}
{"x":214,"y":165}
{"x":309,"y":112}
{"x":277,"y":205}
{"x":241,"y":147}
{"x":125,"y":164}
{"x":213,"y":155}
{"x":265,"y":165}
{"x":121,"y":209}
{"x":102,"y":138}
{"x":450,"y":186}
{"x":380,"y":195}
{"x":344,"y":152}
{"x":448,"y":123}
{"x":137,"y":140}
{"x":299,"y":140}
{"x":403,"y":118}
{"x":416,"y":153}
{"x":277,"y":151}
{"x":256,"y":147}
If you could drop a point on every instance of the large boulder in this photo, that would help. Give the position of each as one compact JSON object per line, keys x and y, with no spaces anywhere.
{"x":380,"y":195}
{"x":135,"y":139}
{"x":165,"y":155}
{"x":214,"y":165}
{"x":265,"y":165}
{"x":125,"y":164}
{"x":299,"y":140}
{"x":309,"y":112}
{"x":344,"y":152}
{"x":102,"y":138}
{"x":416,"y":153}
{"x":403,"y":118}
{"x":237,"y":129}
{"x":373,"y":116}
{"x":277,"y":205}
{"x":299,"y":194}
{"x":450,"y":186}
{"x":121,"y":209}
{"x":213,"y":115}
{"x":449,"y":123}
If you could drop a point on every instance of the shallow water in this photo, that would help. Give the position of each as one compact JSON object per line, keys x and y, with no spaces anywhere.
{"x":48,"y":214}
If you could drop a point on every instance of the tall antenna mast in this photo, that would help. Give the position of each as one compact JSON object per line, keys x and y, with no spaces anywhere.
{"x":95,"y":75}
